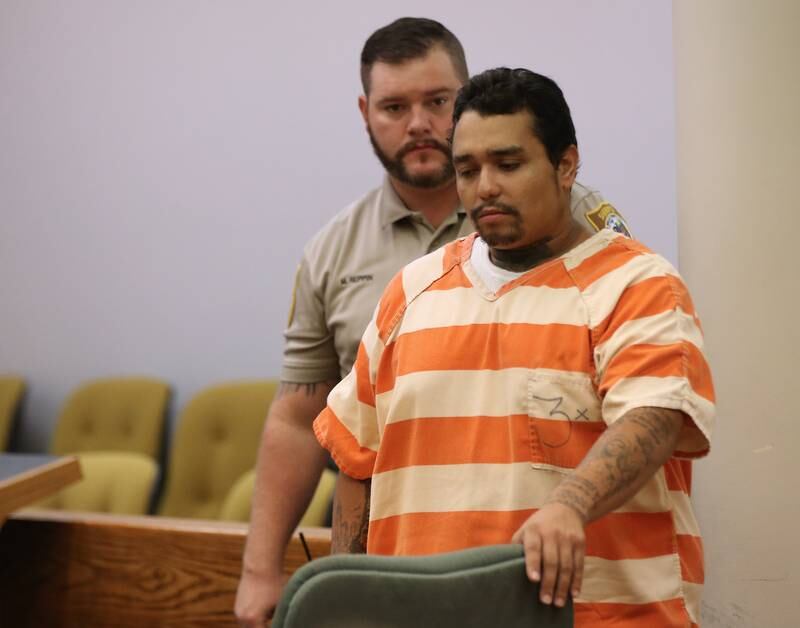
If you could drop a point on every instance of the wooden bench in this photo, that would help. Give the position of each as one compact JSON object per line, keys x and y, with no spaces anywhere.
{"x":60,"y":569}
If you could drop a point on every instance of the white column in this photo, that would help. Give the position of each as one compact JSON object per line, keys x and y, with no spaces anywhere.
{"x":737,"y":65}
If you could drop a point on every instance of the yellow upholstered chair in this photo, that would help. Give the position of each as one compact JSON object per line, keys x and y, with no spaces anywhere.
{"x":11,"y":391}
{"x":236,"y":506}
{"x":115,"y":414}
{"x":117,"y":482}
{"x":216,"y":441}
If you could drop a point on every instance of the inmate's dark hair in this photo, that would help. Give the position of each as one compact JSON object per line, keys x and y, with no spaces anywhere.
{"x":504,"y":91}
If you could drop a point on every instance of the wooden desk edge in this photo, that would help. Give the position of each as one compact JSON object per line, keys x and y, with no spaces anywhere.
{"x":34,"y":484}
{"x":156,"y":522}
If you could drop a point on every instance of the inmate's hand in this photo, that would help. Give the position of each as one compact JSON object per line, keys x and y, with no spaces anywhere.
{"x":257,"y":597}
{"x":555,"y":543}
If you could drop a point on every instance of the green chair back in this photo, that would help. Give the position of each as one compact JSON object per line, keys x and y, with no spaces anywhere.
{"x":484,"y":586}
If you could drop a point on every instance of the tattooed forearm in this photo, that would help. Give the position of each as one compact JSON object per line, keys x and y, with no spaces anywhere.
{"x":620,"y":462}
{"x":358,"y":544}
{"x":310,"y":389}
{"x":350,"y":517}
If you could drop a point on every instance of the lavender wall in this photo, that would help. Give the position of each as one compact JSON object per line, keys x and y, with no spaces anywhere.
{"x":162,"y":164}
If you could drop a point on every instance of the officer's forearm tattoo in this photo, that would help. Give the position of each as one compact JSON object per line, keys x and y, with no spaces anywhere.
{"x":310,"y":389}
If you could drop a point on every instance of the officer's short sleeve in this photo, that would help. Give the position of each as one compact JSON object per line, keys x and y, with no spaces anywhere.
{"x":309,"y":353}
{"x":592,"y":210}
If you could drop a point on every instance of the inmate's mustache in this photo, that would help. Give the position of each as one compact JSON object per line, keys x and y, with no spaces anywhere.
{"x":476,"y":211}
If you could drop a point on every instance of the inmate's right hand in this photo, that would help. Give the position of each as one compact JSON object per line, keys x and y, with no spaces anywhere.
{"x":257,"y":597}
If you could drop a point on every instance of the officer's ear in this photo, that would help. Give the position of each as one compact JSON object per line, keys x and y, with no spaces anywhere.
{"x":362,"y":107}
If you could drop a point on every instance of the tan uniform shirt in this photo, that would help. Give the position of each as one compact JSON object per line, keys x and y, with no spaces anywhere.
{"x":346,"y":266}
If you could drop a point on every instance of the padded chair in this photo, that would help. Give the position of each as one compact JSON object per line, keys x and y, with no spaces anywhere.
{"x":484,"y":586}
{"x":215,"y":444}
{"x":236,"y":506}
{"x":115,"y":414}
{"x":117,"y":482}
{"x":11,"y":391}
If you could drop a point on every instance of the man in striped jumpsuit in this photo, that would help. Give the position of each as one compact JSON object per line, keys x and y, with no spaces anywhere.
{"x":531,"y":383}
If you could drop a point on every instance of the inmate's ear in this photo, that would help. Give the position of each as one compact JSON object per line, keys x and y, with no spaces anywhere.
{"x":568,"y":167}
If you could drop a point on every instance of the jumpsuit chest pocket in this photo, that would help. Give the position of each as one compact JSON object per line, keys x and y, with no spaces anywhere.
{"x":564,"y":419}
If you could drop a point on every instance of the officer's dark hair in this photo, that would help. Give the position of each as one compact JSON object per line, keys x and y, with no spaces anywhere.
{"x":410,"y":38}
{"x":504,"y":91}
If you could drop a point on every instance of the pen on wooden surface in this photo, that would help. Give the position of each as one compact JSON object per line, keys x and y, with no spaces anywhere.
{"x":305,"y":546}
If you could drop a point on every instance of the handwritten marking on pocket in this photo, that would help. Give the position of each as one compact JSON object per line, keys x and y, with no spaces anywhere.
{"x":556,"y":411}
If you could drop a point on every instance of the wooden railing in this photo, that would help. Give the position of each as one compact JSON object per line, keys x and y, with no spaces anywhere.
{"x":70,"y":570}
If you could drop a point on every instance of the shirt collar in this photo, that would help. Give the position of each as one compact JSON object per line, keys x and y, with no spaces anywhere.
{"x":393,"y":208}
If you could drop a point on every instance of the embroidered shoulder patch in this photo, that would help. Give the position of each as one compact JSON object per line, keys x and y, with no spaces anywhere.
{"x":604,"y":216}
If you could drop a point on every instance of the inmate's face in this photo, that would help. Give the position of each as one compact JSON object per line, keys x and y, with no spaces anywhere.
{"x":409,"y":114}
{"x":513,"y":194}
